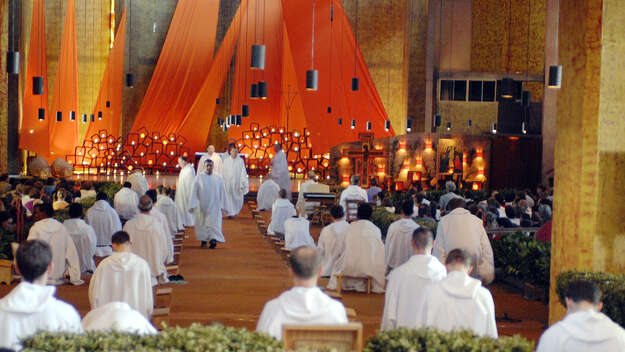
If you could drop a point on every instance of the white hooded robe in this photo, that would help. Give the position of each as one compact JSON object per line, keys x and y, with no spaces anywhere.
{"x":331,"y":244}
{"x":117,"y":316}
{"x":352,"y":192}
{"x":139,"y":183}
{"x":268,"y":192}
{"x":297,"y":233}
{"x":85,"y":241}
{"x":126,"y":202}
{"x":208,"y":200}
{"x":216,"y":158}
{"x":147,"y":236}
{"x":167,"y":235}
{"x":398,"y":246}
{"x":105,"y":221}
{"x":280,"y":172}
{"x":235,"y":183}
{"x":183,"y":193}
{"x":167,"y":206}
{"x":281,"y":210}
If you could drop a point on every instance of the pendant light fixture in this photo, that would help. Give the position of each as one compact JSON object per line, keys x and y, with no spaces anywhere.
{"x":92,"y":117}
{"x":312,"y":75}
{"x":13,"y":56}
{"x":387,"y":125}
{"x":130,"y":78}
{"x":523,"y":129}
{"x":409,"y":125}
{"x":469,"y":123}
{"x":217,"y":101}
{"x":238,"y":120}
{"x":262,"y":90}
{"x":555,"y":77}
{"x":329,"y":109}
{"x":437,"y":120}
{"x":38,"y":81}
{"x":84,"y":118}
{"x":258,"y":50}
{"x":99,"y":115}
{"x":355,"y":80}
{"x":38,"y":85}
{"x":59,"y":116}
{"x":353,"y":124}
{"x":339,"y":121}
{"x":245,"y":110}
{"x":254,"y":91}
{"x":72,"y":115}
{"x":41,"y":114}
{"x":108,"y":103}
{"x":368,"y":125}
{"x":448,"y":126}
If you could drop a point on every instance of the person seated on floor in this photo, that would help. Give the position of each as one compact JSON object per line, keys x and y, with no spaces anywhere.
{"x":64,"y":255}
{"x":305,"y":303}
{"x":160,"y":217}
{"x":331,"y":241}
{"x":281,"y":210}
{"x":459,"y":301}
{"x":138,"y":182}
{"x":353,"y":192}
{"x":399,"y":236}
{"x":125,"y":202}
{"x":105,"y":221}
{"x":84,"y":237}
{"x":123,"y":277}
{"x":297,"y":233}
{"x":363,"y":255}
{"x":267,"y":194}
{"x":31,"y":306}
{"x":303,"y":188}
{"x":119,"y":317}
{"x":405,"y":290}
{"x":584,"y":328}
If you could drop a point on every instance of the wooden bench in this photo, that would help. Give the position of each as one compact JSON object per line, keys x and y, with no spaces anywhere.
{"x":340,"y":277}
{"x":340,"y":337}
{"x":160,"y":316}
{"x":162,"y":297}
{"x":173,"y":269}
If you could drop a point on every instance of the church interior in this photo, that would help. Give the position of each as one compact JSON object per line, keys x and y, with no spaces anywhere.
{"x":312,"y":175}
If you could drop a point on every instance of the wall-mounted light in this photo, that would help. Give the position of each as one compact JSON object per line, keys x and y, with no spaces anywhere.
{"x":494,"y":128}
{"x":408,"y":125}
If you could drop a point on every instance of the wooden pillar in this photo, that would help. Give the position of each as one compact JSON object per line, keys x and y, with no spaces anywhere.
{"x":588,"y":226}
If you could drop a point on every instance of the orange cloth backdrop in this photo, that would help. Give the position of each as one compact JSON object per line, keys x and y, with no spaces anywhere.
{"x":33,"y":134}
{"x":111,"y":87}
{"x":182,"y":67}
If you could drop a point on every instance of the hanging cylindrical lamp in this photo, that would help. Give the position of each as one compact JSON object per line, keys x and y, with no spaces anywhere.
{"x":355,"y":84}
{"x":41,"y":113}
{"x":59,"y":116}
{"x":92,"y":117}
{"x":258,"y":57}
{"x":368,"y":125}
{"x":108,"y":103}
{"x":84,"y":118}
{"x":507,"y":88}
{"x":245,"y":110}
{"x":437,"y":120}
{"x":220,"y":121}
{"x":526,"y":98}
{"x":99,"y":115}
{"x":408,"y":125}
{"x":262,"y":90}
{"x":470,"y":123}
{"x":555,"y":77}
{"x":217,"y":101}
{"x":238,"y":120}
{"x":312,"y":79}
{"x":130,"y":80}
{"x":448,"y":126}
{"x":312,"y":75}
{"x":254,"y":91}
{"x":72,"y":115}
{"x":13,"y":62}
{"x":353,"y":124}
{"x":387,"y":125}
{"x":329,"y":109}
{"x":38,"y":85}
{"x":339,"y":121}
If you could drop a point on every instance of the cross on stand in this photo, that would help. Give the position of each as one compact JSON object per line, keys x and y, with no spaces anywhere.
{"x":364,"y":157}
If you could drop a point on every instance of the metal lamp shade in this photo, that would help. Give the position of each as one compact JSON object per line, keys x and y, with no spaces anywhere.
{"x":339,"y":121}
{"x":99,"y":115}
{"x":258,"y":57}
{"x":130,"y":80}
{"x":245,"y":110}
{"x":220,"y":121}
{"x":507,"y":88}
{"x":238,"y":120}
{"x":72,"y":115}
{"x":254,"y":91}
{"x":108,"y":103}
{"x":84,"y":118}
{"x":217,"y":101}
{"x":408,"y":125}
{"x":355,"y":84}
{"x":387,"y":125}
{"x":59,"y":116}
{"x":368,"y":125}
{"x":470,"y":123}
{"x":437,"y":120}
{"x":262,"y":90}
{"x":312,"y":79}
{"x":353,"y":124}
{"x":41,"y":113}
{"x":13,"y":62}
{"x":38,"y":85}
{"x":329,"y":109}
{"x":555,"y":77}
{"x":92,"y":117}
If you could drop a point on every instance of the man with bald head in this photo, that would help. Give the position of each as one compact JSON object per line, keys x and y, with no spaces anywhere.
{"x":305,"y":303}
{"x":148,"y":240}
{"x":210,"y":155}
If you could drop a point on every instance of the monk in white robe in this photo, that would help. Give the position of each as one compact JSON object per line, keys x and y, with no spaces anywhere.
{"x":280,"y":170}
{"x":83,"y":236}
{"x":460,"y":229}
{"x":139,"y":182}
{"x":31,"y":306}
{"x":117,"y":316}
{"x":302,"y":205}
{"x":405,"y":290}
{"x":105,"y":221}
{"x":207,"y":202}
{"x":363,"y":255}
{"x":281,"y":210}
{"x":332,"y":241}
{"x":210,"y":155}
{"x":305,"y":303}
{"x":398,"y":246}
{"x":123,"y":277}
{"x":162,"y":219}
{"x":183,"y":189}
{"x":267,"y":194}
{"x":64,"y":255}
{"x":126,"y":201}
{"x":584,"y":328}
{"x":297,"y":233}
{"x":147,"y":237}
{"x":235,"y":181}
{"x":353,"y":192}
{"x":459,"y":301}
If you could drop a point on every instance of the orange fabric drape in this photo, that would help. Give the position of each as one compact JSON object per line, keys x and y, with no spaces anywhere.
{"x":111,"y":87}
{"x":182,"y":66}
{"x":33,"y":134}
{"x":196,"y":125}
{"x":64,"y":134}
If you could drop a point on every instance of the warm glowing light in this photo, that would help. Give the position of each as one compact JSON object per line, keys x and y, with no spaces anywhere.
{"x":479,"y":154}
{"x":428,"y":146}
{"x":419,"y":162}
{"x":149,"y":162}
{"x":96,"y":140}
{"x":165,"y":142}
{"x":402,"y":145}
{"x":247,"y":136}
{"x":475,"y":186}
{"x":31,"y":131}
{"x":142,"y":135}
{"x":513,"y":138}
{"x":290,"y":168}
{"x":133,"y":142}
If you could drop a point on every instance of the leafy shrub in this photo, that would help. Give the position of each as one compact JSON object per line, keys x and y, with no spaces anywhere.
{"x":428,"y":339}
{"x":6,"y":238}
{"x":383,"y":219}
{"x":612,"y":291}
{"x":524,"y":258}
{"x":194,"y":338}
{"x":110,"y":188}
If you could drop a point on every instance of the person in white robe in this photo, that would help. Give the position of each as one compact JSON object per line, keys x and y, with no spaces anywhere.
{"x":461,"y":229}
{"x":210,"y":155}
{"x":168,"y":207}
{"x":139,"y":183}
{"x":363,"y":255}
{"x":353,"y":192}
{"x":398,"y":246}
{"x":123,"y":277}
{"x":235,"y":181}
{"x":281,"y":210}
{"x":31,"y":306}
{"x":305,"y":303}
{"x":162,"y":219}
{"x":207,"y":202}
{"x":584,"y":328}
{"x":183,"y":189}
{"x":405,"y":290}
{"x":459,"y":301}
{"x":301,"y":204}
{"x":125,"y":202}
{"x":117,"y":316}
{"x":65,"y":258}
{"x":83,"y":236}
{"x":331,"y":241}
{"x":267,"y":194}
{"x":146,"y":236}
{"x":297,"y":233}
{"x":105,"y":222}
{"x":280,"y":170}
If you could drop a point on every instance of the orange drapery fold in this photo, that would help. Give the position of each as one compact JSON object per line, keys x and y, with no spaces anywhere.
{"x":64,"y":134}
{"x":111,"y":87}
{"x":182,"y":66}
{"x":196,"y":125}
{"x":33,"y":133}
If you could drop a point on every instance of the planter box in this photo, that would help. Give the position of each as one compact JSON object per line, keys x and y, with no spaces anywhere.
{"x":6,"y":271}
{"x":535,"y":292}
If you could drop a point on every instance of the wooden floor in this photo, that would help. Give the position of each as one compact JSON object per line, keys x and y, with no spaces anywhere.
{"x":230,"y":285}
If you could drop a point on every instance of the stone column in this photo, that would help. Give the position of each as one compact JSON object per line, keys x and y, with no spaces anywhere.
{"x":588,"y":226}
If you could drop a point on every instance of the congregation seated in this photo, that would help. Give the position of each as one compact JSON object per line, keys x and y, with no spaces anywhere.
{"x":267,"y":194}
{"x":405,"y":291}
{"x":126,"y":201}
{"x":459,"y":301}
{"x":281,"y":210}
{"x":584,"y":328}
{"x":353,"y":192}
{"x":138,"y":182}
{"x":83,"y":236}
{"x":297,"y":233}
{"x":363,"y":256}
{"x":305,"y":303}
{"x":123,"y":277}
{"x":168,"y":207}
{"x":119,"y":317}
{"x":31,"y":306}
{"x":331,"y":241}
{"x":105,"y":222}
{"x":399,"y":236}
{"x":301,"y":205}
{"x":64,"y":255}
